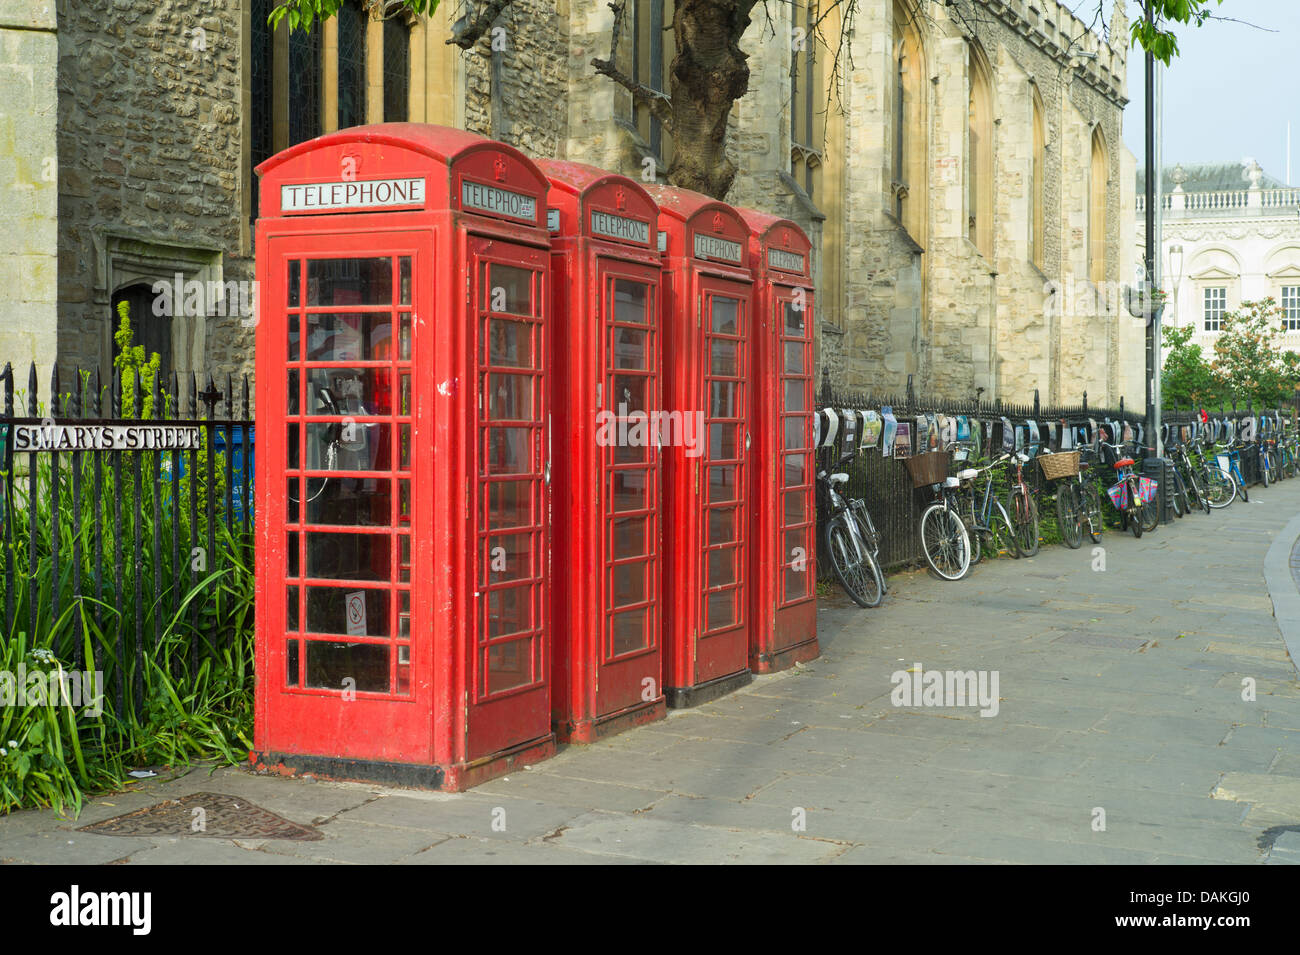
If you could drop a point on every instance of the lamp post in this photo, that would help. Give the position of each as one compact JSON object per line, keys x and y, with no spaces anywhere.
{"x":1176,"y":274}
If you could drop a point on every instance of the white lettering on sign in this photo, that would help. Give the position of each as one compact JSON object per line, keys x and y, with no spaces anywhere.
{"x":552,"y":220}
{"x":711,"y":247}
{"x":105,"y":437}
{"x":335,"y":196}
{"x":619,"y":227}
{"x":781,"y":259}
{"x":474,"y":195}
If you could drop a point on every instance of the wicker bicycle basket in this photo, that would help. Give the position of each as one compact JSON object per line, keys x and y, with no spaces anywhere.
{"x":928,"y":468}
{"x":1064,"y":464}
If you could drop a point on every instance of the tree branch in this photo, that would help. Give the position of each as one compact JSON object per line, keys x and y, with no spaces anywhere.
{"x":465,"y":33}
{"x":660,"y":105}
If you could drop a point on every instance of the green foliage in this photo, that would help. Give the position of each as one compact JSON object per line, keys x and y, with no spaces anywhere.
{"x":130,"y":360}
{"x":186,"y":695}
{"x":1154,"y":37}
{"x":1248,"y":356}
{"x":302,"y":13}
{"x":1186,"y":378}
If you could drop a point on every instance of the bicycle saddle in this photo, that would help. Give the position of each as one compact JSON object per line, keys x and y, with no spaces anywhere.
{"x":967,"y":474}
{"x":1123,"y":463}
{"x":839,"y":478}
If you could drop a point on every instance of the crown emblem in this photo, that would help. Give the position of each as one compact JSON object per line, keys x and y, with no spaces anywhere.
{"x":499,"y":168}
{"x":717,"y":222}
{"x":620,"y":199}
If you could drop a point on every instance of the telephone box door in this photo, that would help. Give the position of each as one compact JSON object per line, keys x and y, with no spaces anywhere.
{"x":347,"y":679}
{"x":509,"y":695}
{"x":723,"y":646}
{"x":629,"y":653}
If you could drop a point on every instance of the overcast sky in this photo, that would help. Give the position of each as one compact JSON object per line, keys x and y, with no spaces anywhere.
{"x":1230,"y":91}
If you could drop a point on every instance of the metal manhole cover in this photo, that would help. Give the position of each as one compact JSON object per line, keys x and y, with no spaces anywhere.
{"x":1102,"y":640}
{"x":214,"y":815}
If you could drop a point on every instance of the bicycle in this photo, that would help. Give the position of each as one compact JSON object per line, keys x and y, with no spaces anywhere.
{"x":944,"y":539}
{"x":1229,"y":459}
{"x":1089,"y":494}
{"x":1131,"y":493}
{"x":1023,"y":510}
{"x":851,"y":541}
{"x":1062,"y":468}
{"x":990,"y":522}
{"x":1220,"y":489}
{"x":1192,"y":490}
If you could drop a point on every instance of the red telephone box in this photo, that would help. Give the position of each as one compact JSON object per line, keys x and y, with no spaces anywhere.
{"x":783,"y":542}
{"x":402,"y":348}
{"x":707,"y":294}
{"x":605,"y":379}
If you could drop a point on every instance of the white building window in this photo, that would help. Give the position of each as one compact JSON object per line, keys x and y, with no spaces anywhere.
{"x":1216,"y":302}
{"x":1291,"y":308}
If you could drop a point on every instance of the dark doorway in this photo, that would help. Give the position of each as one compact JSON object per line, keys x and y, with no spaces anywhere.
{"x":152,"y":331}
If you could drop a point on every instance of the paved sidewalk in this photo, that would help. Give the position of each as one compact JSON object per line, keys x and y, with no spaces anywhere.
{"x":1120,"y":703}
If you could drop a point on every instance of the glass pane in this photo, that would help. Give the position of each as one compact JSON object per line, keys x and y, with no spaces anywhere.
{"x":292,"y":393}
{"x":721,"y":609}
{"x":794,"y":352}
{"x":349,"y":556}
{"x":630,"y":346}
{"x":509,"y":610}
{"x":793,"y":320}
{"x":633,"y":452}
{"x":347,"y":666}
{"x":404,"y":558}
{"x":629,"y":537}
{"x":631,"y":302}
{"x":349,"y":502}
{"x":796,"y":584}
{"x":291,"y":608}
{"x":509,"y":503}
{"x":794,"y":395}
{"x":404,"y":447}
{"x":353,"y":392}
{"x":510,"y":397}
{"x":629,"y":583}
{"x":291,"y":663}
{"x":510,"y":289}
{"x":293,"y":338}
{"x":509,"y":450}
{"x":293,"y":494}
{"x":722,"y":525}
{"x":722,"y":567}
{"x":796,"y":545}
{"x":509,"y":665}
{"x":722,"y":395}
{"x":725,"y":312}
{"x":796,"y":433}
{"x":350,"y":282}
{"x":722,"y":483}
{"x":349,"y":446}
{"x":510,"y":343}
{"x":509,"y":557}
{"x":723,"y":361}
{"x":724,"y":441}
{"x":629,"y":630}
{"x":404,"y":406}
{"x":796,"y":470}
{"x":629,"y":490}
{"x":295,"y":283}
{"x":796,"y":507}
{"x":404,"y":337}
{"x":349,"y":337}
{"x":629,"y":394}
{"x":404,"y":280}
{"x":354,"y":613}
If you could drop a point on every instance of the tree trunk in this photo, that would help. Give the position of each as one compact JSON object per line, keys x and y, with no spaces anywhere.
{"x":709,"y":74}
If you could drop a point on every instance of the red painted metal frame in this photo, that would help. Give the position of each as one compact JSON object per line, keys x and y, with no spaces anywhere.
{"x":448,"y":730}
{"x":596,"y":690}
{"x":783,"y":544}
{"x":702,"y":662}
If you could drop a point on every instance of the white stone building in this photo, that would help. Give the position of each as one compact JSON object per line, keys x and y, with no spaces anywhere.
{"x":1231,"y":234}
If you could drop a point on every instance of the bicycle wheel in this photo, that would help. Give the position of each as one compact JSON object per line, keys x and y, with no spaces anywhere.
{"x":1003,"y":530}
{"x":1241,"y":488}
{"x":1069,"y":515}
{"x":978,"y":537}
{"x":1092,"y":511}
{"x":1151,"y":513}
{"x":1196,"y":492}
{"x":857,"y":574}
{"x":945,"y":542}
{"x":1220,"y":490}
{"x":1025,"y":514}
{"x":1264,"y":469}
{"x":1179,"y":496}
{"x":871,"y":539}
